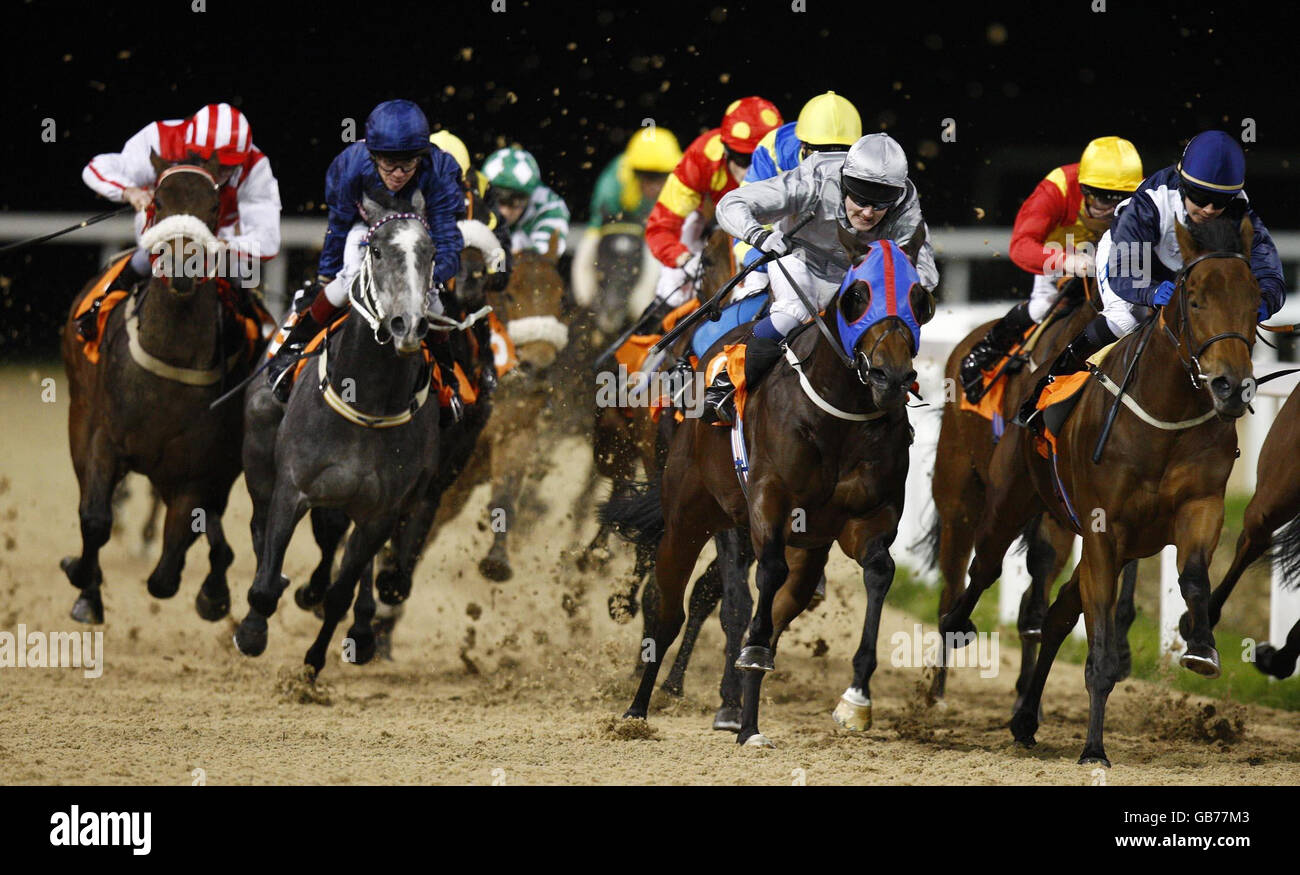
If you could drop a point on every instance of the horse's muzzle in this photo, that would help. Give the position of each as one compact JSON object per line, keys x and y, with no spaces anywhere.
{"x":1231,"y":395}
{"x":889,"y":389}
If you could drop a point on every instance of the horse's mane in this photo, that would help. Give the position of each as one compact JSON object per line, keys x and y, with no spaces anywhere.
{"x":1220,"y":234}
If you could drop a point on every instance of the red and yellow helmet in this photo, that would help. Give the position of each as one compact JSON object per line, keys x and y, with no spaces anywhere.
{"x":746,"y":122}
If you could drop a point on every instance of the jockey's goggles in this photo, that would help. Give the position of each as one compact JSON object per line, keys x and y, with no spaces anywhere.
{"x":393,"y":163}
{"x":1217,"y":199}
{"x":1104,"y":195}
{"x":744,"y":159}
{"x":873,"y":195}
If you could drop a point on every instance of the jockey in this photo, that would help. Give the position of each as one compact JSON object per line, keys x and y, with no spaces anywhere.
{"x":1206,"y":183}
{"x":827,"y":123}
{"x":249,"y":222}
{"x":533,"y":212}
{"x":1073,"y":205}
{"x":864,"y":193}
{"x":395,"y":159}
{"x":712,"y":166}
{"x":629,"y":186}
{"x":477,"y":209}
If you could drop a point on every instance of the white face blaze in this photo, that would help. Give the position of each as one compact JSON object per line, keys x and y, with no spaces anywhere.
{"x":416,"y":270}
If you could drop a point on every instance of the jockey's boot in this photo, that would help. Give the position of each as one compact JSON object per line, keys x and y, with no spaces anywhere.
{"x":760,"y":354}
{"x":998,"y":342}
{"x":311,"y":321}
{"x":126,"y":281}
{"x":1073,"y":358}
{"x":440,"y":348}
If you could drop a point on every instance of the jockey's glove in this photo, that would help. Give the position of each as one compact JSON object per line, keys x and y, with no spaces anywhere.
{"x":772,"y":241}
{"x":1162,"y":294}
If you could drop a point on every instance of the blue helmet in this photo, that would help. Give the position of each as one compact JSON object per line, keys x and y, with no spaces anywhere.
{"x":1213,"y":162}
{"x":397,"y":126}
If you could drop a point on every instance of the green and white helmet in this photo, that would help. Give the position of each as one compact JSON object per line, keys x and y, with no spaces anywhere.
{"x":514,"y":169}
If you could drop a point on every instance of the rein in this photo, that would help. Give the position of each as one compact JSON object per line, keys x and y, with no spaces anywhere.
{"x":1192,"y":364}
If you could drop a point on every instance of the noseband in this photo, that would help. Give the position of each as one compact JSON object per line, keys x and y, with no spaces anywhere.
{"x":865,"y":358}
{"x":1192,"y":364}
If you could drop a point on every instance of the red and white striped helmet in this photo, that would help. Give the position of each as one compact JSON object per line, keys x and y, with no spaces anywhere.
{"x":220,"y":128}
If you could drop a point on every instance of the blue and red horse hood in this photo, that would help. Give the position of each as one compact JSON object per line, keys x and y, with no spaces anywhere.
{"x":889,"y":277}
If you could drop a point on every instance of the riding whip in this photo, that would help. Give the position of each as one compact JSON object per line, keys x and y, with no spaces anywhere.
{"x":23,"y":244}
{"x":1128,"y":375}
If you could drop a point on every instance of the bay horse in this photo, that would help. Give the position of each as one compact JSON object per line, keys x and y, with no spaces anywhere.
{"x":1275,"y":505}
{"x":1164,"y":474}
{"x":356,"y":434}
{"x":828,"y":436}
{"x":165,"y":353}
{"x":959,"y":487}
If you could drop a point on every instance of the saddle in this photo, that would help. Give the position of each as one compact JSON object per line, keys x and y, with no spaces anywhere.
{"x":1058,"y":400}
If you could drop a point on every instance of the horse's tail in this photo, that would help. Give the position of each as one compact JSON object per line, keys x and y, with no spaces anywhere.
{"x":634,"y":512}
{"x":1285,"y":551}
{"x":1027,"y":535}
{"x":927,"y":545}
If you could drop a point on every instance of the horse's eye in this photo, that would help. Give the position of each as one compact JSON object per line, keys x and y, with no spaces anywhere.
{"x":375,"y":252}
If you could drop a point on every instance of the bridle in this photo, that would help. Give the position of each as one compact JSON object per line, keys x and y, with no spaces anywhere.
{"x":862,"y":361}
{"x":1192,"y":363}
{"x":362,"y":290}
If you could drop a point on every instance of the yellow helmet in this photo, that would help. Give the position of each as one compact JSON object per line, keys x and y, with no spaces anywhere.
{"x":827,"y":119}
{"x":653,"y":150}
{"x":1112,"y":164}
{"x":453,"y":146}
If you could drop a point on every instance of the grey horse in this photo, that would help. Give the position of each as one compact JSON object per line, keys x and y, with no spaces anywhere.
{"x":356,"y":435}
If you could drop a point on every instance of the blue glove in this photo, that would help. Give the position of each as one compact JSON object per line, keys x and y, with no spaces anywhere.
{"x":1162,"y":294}
{"x":1263,"y":312}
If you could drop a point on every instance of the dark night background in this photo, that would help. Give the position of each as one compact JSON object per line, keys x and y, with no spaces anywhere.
{"x":1028,"y":84}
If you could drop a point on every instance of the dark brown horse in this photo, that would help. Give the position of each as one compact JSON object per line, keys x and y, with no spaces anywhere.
{"x":165,"y":353}
{"x":961,"y":470}
{"x":828,"y":442}
{"x":1275,"y":504}
{"x":1159,"y":483}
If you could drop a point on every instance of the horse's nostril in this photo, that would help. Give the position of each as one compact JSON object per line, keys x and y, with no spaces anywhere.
{"x":1222,"y":387}
{"x":909,"y":378}
{"x":397,"y":325}
{"x":422,"y":327}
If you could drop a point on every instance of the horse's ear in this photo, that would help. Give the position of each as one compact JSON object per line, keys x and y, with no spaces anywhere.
{"x":370,"y":208}
{"x":553,"y":248}
{"x":852,"y":245}
{"x":417,"y":201}
{"x":159,"y":165}
{"x":912,"y":248}
{"x":1186,"y":245}
{"x":1247,"y":234}
{"x":922,"y":302}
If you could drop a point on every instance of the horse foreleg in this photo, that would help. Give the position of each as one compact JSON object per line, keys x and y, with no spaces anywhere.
{"x":1125,"y":614}
{"x":853,"y":711}
{"x":362,"y":632}
{"x":1196,"y":531}
{"x":364,"y":543}
{"x":213,"y":599}
{"x":705,"y":596}
{"x":1256,"y":537}
{"x":1048,"y":550}
{"x":98,"y":476}
{"x":328,"y":526}
{"x":768,"y":516}
{"x":956,"y":540}
{"x":1061,"y":618}
{"x":183,"y":522}
{"x":735,"y":556}
{"x":286,"y":509}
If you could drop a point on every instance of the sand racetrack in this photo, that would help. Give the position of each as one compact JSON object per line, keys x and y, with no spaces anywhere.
{"x":509,"y":683}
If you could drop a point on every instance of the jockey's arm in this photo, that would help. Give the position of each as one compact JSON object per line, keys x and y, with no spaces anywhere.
{"x":926,"y":268}
{"x":342,"y":191}
{"x":1267,"y":267}
{"x":1042,"y":211}
{"x":257,"y":233}
{"x":444,"y":202}
{"x":742,"y":213}
{"x":112,"y":173}
{"x":663,"y":230}
{"x":552,"y":219}
{"x":1126,"y":261}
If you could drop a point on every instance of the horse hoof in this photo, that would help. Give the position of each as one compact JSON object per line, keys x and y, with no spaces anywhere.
{"x":1023,"y":727}
{"x":754,"y":658}
{"x":161,"y":589}
{"x":759,"y":740}
{"x":622,"y":608}
{"x":1203,"y":660}
{"x":250,"y":637}
{"x":1270,"y":663}
{"x":212,"y":609}
{"x":727,"y":719}
{"x":672,"y":688}
{"x":852,"y":716}
{"x":1032,"y":636}
{"x":495,"y":569}
{"x":306,"y":599}
{"x":634,"y":713}
{"x":88,"y":610}
{"x":363,"y":646}
{"x":1095,"y":758}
